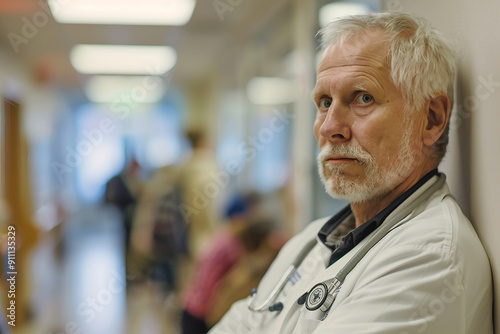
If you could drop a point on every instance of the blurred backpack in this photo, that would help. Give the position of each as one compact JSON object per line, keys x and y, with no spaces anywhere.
{"x":169,"y":238}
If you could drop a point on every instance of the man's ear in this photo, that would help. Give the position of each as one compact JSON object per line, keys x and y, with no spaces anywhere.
{"x":437,"y":116}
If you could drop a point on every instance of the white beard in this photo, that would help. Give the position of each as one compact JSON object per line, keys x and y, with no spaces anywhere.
{"x":377,"y":181}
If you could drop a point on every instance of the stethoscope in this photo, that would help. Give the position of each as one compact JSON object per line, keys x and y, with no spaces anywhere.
{"x":322,"y":295}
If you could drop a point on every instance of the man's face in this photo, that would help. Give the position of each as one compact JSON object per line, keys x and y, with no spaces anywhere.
{"x":368,"y":145}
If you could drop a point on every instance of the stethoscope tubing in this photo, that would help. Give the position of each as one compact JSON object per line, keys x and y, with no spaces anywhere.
{"x":338,"y":280}
{"x":386,"y":228}
{"x":264,"y":306}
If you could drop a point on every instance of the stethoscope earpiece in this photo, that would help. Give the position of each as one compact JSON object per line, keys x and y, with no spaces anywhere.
{"x":302,"y":299}
{"x":276,"y":307}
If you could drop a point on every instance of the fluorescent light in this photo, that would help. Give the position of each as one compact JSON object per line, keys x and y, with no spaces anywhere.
{"x":270,"y":91}
{"x":123,"y":59}
{"x":140,"y":12}
{"x":334,"y":10}
{"x":123,"y":89}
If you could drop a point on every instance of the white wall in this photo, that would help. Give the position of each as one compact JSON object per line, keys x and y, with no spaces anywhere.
{"x":474,"y":151}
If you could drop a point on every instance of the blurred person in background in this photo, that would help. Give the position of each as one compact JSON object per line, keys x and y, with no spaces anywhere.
{"x":122,"y":191}
{"x":244,"y":276}
{"x":159,"y":231}
{"x":196,"y":179}
{"x":201,"y":194}
{"x":244,"y":233}
{"x":175,"y":218}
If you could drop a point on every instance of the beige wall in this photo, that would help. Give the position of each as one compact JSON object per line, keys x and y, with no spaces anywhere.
{"x":474,"y":152}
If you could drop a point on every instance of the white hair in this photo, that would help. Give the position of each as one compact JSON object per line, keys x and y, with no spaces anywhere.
{"x":422,"y":61}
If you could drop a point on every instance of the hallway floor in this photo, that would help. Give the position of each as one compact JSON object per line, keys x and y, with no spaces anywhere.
{"x":81,"y":288}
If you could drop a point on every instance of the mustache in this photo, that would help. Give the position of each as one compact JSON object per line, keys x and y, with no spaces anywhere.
{"x":349,"y":151}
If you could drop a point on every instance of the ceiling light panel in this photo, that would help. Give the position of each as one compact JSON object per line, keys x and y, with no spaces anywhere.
{"x":123,"y":59}
{"x":130,"y":12}
{"x":270,"y":91}
{"x":115,"y":88}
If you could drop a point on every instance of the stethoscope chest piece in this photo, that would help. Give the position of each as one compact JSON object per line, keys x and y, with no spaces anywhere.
{"x":320,"y":298}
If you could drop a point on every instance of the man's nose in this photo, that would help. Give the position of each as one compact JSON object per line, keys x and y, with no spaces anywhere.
{"x":335,"y":126}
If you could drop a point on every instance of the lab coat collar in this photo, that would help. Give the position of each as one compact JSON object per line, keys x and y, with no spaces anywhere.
{"x":355,"y":236}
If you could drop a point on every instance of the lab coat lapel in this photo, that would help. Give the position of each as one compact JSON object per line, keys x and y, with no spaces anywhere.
{"x":329,"y":273}
{"x":292,"y":311}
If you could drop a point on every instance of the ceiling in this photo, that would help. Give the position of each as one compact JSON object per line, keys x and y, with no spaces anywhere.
{"x":206,"y":43}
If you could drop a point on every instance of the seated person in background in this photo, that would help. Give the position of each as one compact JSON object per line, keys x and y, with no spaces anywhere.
{"x":245,"y":275}
{"x":244,"y":233}
{"x":384,"y":94}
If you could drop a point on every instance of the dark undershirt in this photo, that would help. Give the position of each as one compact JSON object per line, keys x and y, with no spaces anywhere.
{"x":356,"y":235}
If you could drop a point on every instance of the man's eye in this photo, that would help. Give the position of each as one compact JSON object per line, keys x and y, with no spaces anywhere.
{"x":364,"y":98}
{"x":325,"y":104}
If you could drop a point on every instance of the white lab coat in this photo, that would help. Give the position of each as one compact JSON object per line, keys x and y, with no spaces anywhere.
{"x":429,"y":275}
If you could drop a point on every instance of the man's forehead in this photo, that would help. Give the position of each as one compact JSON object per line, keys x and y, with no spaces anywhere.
{"x":367,"y":48}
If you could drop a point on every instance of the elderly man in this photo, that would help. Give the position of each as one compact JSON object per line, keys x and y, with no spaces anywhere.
{"x":383,"y":94}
